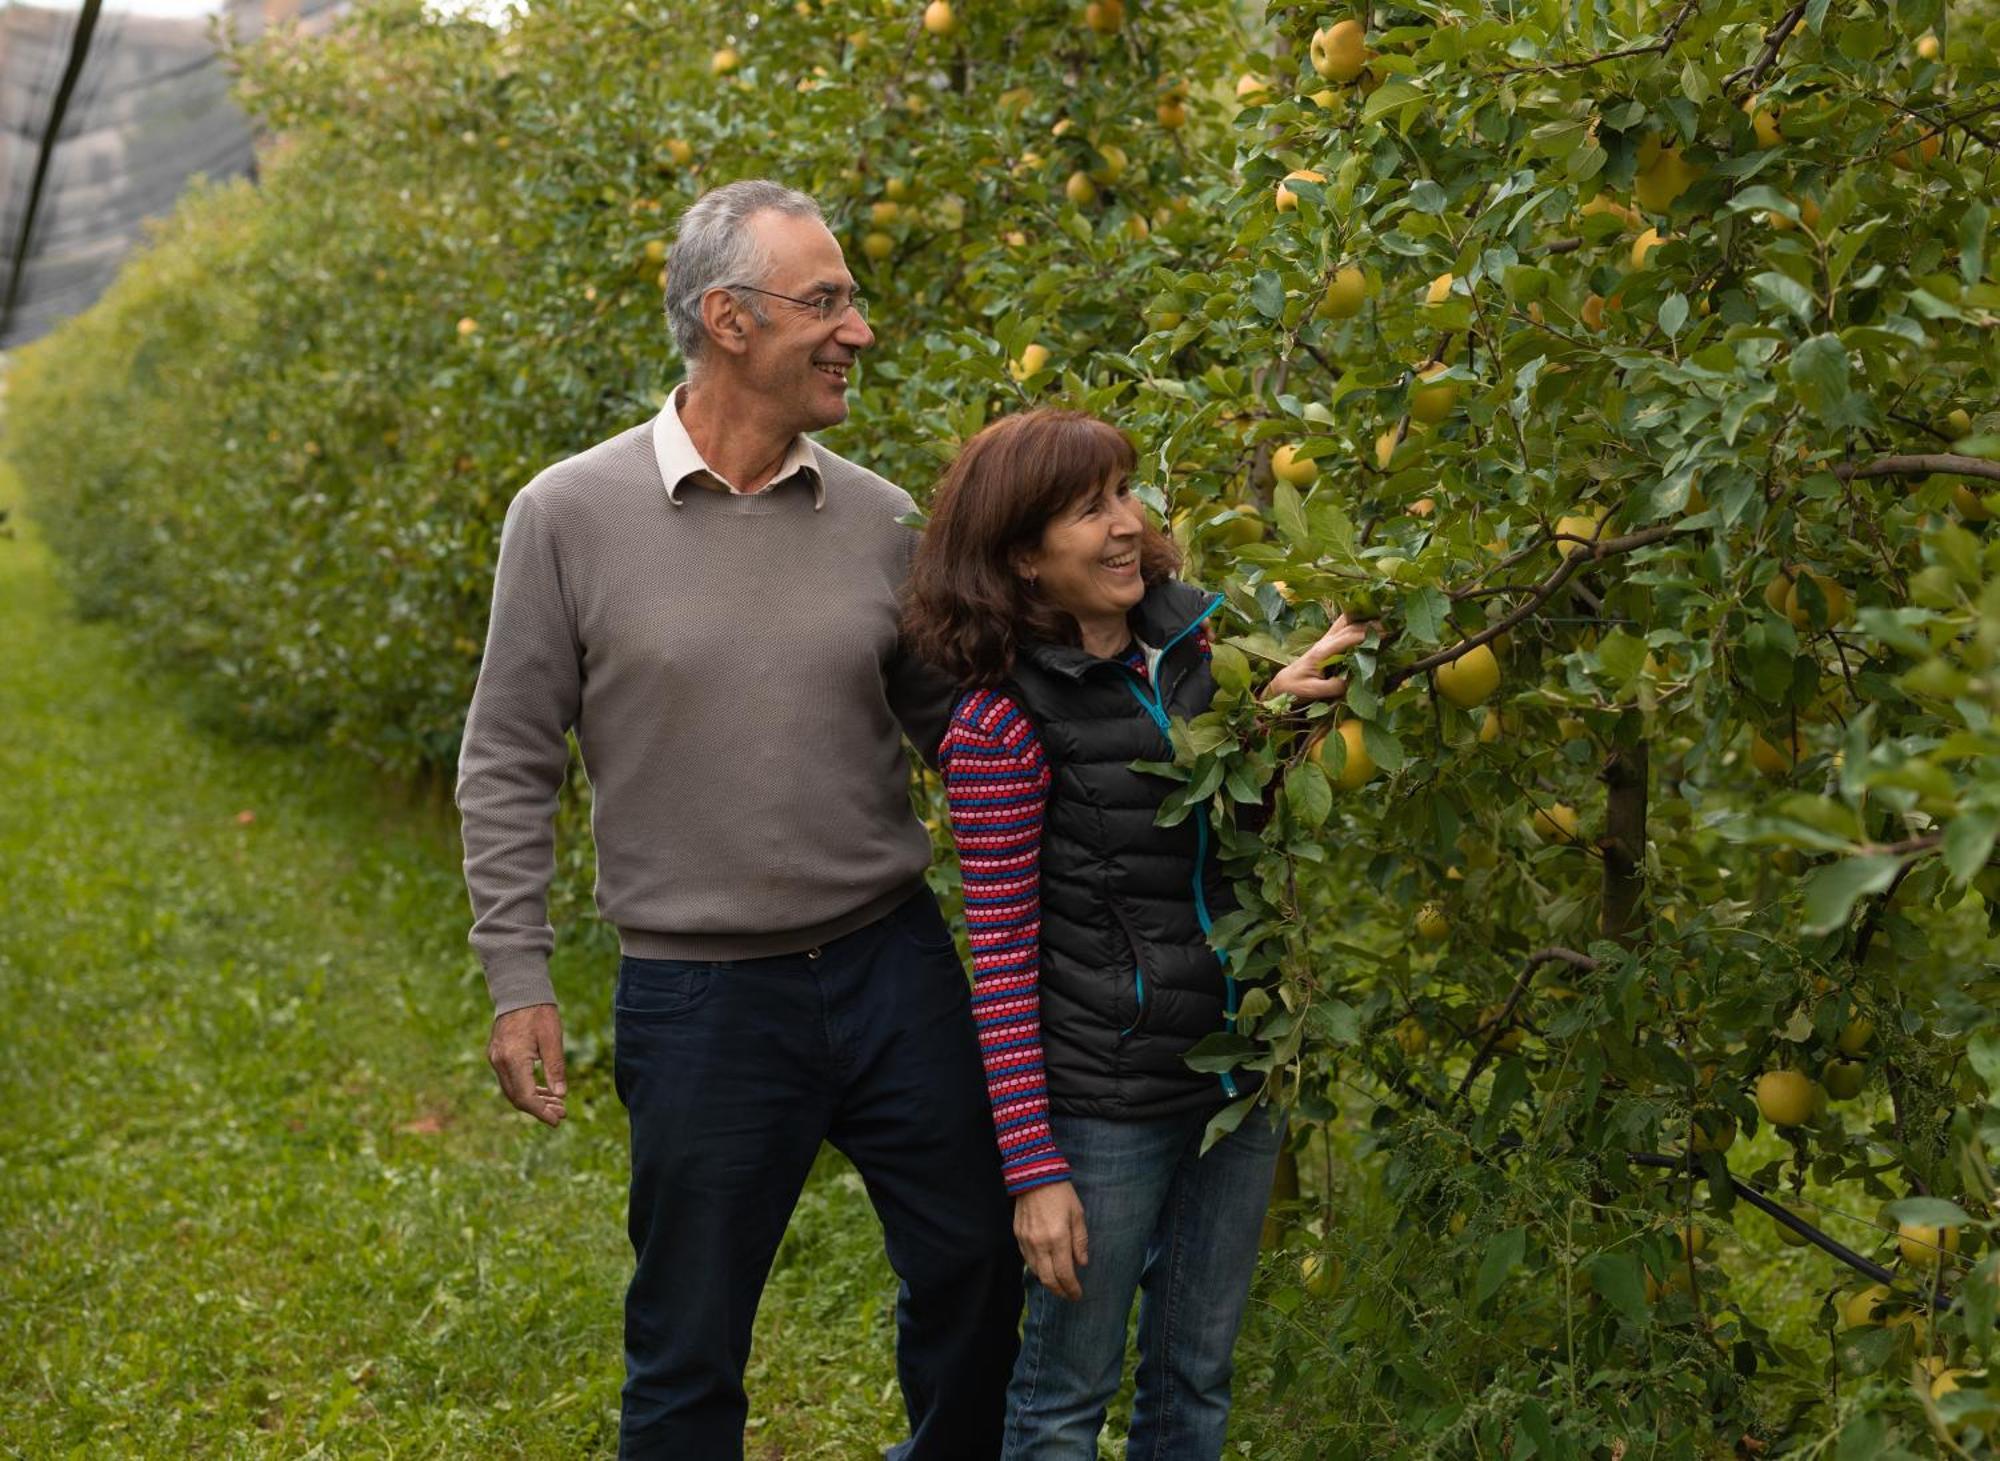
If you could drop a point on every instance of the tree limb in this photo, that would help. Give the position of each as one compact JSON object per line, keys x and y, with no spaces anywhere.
{"x":1539,"y":595}
{"x":1504,"y":1016}
{"x":1921,"y":464}
{"x":1774,"y":41}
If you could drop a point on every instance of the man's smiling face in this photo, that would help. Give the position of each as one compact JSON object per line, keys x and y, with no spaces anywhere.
{"x":799,"y":358}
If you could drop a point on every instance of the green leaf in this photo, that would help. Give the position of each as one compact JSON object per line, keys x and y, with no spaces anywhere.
{"x":1267,"y":293}
{"x":1983,"y":1050}
{"x":1819,"y":373}
{"x":1831,"y":891}
{"x":1673,"y":314}
{"x":1230,"y":666}
{"x":1290,"y":514}
{"x":1972,"y":227}
{"x":1930,"y":1212}
{"x":1503,"y":1252}
{"x":1786,"y":292}
{"x":1618,"y":1277}
{"x":1387,"y":99}
{"x":1863,"y":1351}
{"x":1968,"y":842}
{"x":1382,"y":746}
{"x":1225,"y":1121}
{"x":1424,"y":615}
{"x":1220,"y":1051}
{"x":1308,"y":794}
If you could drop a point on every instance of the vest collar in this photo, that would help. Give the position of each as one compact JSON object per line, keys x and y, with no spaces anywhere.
{"x":1168,"y":611}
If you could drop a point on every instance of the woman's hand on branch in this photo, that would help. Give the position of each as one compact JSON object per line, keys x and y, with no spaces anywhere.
{"x":1306,"y":677}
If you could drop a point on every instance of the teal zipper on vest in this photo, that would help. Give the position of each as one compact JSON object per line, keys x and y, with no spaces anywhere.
{"x":1139,"y":984}
{"x":1155,"y":707}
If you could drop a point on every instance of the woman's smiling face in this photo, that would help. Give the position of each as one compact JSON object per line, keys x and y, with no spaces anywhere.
{"x":1087,"y":563}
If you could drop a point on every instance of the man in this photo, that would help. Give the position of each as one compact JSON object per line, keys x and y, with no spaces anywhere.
{"x":709,"y":601}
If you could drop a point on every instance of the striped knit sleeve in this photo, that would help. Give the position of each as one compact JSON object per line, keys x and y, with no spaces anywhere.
{"x":996,"y":780}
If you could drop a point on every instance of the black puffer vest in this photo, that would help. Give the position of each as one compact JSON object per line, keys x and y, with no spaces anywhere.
{"x":1128,"y":980}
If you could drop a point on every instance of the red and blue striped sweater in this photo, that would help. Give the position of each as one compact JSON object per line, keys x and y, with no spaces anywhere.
{"x":996,"y":779}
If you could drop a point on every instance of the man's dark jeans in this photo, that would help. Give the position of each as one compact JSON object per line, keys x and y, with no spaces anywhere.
{"x":732,"y":1074}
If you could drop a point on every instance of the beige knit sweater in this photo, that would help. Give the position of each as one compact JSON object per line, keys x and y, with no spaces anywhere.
{"x":731,"y":669}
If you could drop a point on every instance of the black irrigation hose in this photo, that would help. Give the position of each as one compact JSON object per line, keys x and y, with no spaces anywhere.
{"x":79,"y":50}
{"x":1938,"y":1299}
{"x":1778,"y":1213}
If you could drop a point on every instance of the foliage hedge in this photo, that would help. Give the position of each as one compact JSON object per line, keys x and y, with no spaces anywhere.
{"x":1714,"y":282}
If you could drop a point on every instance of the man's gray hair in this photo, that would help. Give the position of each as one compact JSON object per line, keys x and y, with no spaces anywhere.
{"x":714,"y":249}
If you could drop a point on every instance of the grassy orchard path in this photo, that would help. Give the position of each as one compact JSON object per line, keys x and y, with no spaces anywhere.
{"x":260,"y":1197}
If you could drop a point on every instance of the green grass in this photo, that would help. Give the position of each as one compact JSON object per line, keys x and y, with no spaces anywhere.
{"x":261,"y":1197}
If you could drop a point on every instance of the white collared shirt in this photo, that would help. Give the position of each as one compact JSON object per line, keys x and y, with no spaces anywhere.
{"x":679,"y":458}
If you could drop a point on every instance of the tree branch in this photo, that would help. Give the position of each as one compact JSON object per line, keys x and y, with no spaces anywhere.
{"x":1504,"y":1016}
{"x":1774,"y":41}
{"x":1539,"y":595}
{"x":1652,"y":48}
{"x":1921,"y":464}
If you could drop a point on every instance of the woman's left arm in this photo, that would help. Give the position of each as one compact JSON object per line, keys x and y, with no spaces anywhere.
{"x":1306,"y":677}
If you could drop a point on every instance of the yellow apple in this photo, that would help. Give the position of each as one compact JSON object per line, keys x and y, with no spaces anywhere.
{"x":725,"y":62}
{"x":1668,"y":176}
{"x":1763,"y":123}
{"x":878,"y":246}
{"x":1432,"y":926}
{"x":1927,"y":46}
{"x":1922,"y":1245}
{"x":1111,"y":166}
{"x":1855,"y":1035}
{"x":1104,"y":16}
{"x":1430,"y":404}
{"x":1287,"y":199}
{"x":1345,"y":293}
{"x":1288,"y":466}
{"x":1438,"y":291}
{"x":1471,"y":679}
{"x":468,"y":326}
{"x":1339,"y":53}
{"x":1171,"y":113}
{"x":1831,"y":591}
{"x":1776,"y":761}
{"x":1785,"y":1097}
{"x":1843,"y":1079}
{"x":1643,"y":245}
{"x":1859,"y":1309}
{"x":1556,"y":822}
{"x":938,"y":19}
{"x":1359,"y":768}
{"x":1032,"y":358}
{"x":1320,"y":1274}
{"x":1577,"y":525}
{"x":1080,"y":190}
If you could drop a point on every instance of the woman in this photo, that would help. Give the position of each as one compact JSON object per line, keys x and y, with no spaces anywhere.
{"x":1042,"y":589}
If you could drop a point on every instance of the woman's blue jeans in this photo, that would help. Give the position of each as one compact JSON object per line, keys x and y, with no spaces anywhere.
{"x":1179,"y":1229}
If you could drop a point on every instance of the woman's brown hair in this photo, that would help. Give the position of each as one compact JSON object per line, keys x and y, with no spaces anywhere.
{"x":965,"y":608}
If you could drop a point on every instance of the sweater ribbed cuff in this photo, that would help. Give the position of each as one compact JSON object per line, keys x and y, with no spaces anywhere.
{"x":516,"y":981}
{"x":1036,"y":1167}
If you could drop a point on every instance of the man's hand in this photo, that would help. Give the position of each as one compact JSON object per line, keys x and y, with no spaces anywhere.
{"x":1048,"y":1224}
{"x":520,"y":1038}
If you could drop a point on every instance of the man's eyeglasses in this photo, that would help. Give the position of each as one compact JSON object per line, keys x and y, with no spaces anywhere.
{"x":829,"y":305}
